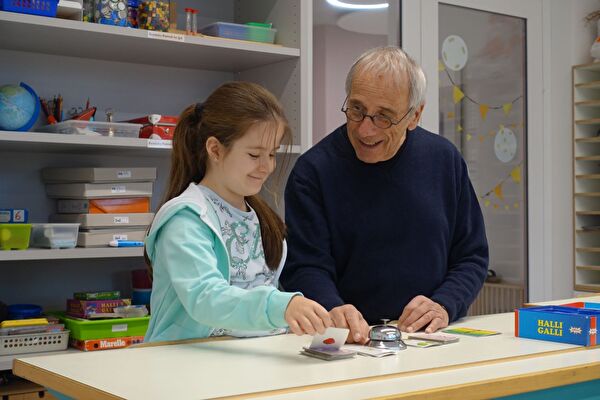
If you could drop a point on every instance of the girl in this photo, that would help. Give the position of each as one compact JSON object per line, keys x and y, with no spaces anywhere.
{"x":215,"y":248}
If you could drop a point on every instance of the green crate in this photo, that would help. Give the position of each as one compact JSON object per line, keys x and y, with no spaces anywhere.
{"x":106,"y":328}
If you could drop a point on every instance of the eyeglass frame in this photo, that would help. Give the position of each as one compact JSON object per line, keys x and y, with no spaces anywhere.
{"x":372,"y":117}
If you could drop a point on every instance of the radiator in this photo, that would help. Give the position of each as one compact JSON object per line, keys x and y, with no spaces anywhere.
{"x":497,"y":298}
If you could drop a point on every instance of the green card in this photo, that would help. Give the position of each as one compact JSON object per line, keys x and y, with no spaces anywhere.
{"x":470,"y":332}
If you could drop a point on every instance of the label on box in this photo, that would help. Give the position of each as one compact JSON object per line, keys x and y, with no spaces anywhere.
{"x":119,"y":328}
{"x":124,"y":174}
{"x":13,"y":215}
{"x":160,"y":144}
{"x":121,"y":220}
{"x":174,"y":37}
{"x":120,"y":237}
{"x":118,"y":189}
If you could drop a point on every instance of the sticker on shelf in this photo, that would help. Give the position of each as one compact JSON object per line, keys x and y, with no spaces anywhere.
{"x":121,"y":220}
{"x":174,"y":37}
{"x":118,"y":189}
{"x":159,"y":144}
{"x":120,"y":237}
{"x":124,"y":174}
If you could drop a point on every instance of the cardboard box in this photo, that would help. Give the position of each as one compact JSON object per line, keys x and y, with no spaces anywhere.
{"x":98,"y":190}
{"x":573,"y":323}
{"x":105,"y":206}
{"x":96,"y":175}
{"x":106,"y":344}
{"x":91,"y":308}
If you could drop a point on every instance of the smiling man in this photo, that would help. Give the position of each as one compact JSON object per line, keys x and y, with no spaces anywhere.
{"x":383,"y":221}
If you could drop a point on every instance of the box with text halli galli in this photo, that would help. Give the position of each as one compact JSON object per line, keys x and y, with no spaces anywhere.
{"x":574,"y":323}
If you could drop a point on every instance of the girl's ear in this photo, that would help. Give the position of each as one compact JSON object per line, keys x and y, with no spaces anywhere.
{"x":214,"y":149}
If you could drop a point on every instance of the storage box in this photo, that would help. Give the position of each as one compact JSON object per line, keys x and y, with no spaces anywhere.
{"x":98,"y":190}
{"x":14,"y":236}
{"x":46,"y":8}
{"x":565,"y":324}
{"x":241,"y":32}
{"x":106,"y":328}
{"x":102,"y":237}
{"x":105,"y":206}
{"x":156,"y":126}
{"x":54,"y":236}
{"x":94,"y":128}
{"x":34,"y":342}
{"x":95,"y":221}
{"x":106,"y":344}
{"x":98,"y":175}
{"x":91,"y":308}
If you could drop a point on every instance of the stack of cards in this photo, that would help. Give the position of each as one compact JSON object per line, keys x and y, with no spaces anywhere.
{"x":422,"y":339}
{"x":328,"y":346}
{"x":471,"y":332}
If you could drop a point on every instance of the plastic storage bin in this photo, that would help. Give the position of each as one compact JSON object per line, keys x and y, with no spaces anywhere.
{"x":94,"y":128}
{"x":54,"y":236}
{"x":14,"y":236}
{"x":241,"y":32}
{"x":46,"y":8}
{"x":24,"y":311}
{"x":34,"y":342}
{"x":82,"y":329}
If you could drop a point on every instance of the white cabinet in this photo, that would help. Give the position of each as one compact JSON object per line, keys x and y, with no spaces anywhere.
{"x":586,"y":177}
{"x":133,"y":72}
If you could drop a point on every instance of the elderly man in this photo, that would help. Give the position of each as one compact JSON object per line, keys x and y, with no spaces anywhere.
{"x":382,"y":218}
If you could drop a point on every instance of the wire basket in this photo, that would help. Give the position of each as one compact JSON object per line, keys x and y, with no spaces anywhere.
{"x":34,"y":342}
{"x":36,"y":7}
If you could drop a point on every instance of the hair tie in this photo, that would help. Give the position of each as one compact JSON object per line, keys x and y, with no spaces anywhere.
{"x":198,"y":110}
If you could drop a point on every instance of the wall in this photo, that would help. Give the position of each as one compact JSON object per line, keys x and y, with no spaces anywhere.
{"x":334,"y":52}
{"x":569,"y":44}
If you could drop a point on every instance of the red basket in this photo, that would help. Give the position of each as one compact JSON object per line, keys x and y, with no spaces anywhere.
{"x":36,"y":7}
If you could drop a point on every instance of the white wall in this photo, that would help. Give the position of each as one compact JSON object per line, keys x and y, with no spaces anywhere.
{"x":334,"y":52}
{"x":569,"y":44}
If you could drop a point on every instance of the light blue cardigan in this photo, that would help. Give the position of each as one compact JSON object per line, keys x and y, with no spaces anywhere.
{"x":191,"y":292}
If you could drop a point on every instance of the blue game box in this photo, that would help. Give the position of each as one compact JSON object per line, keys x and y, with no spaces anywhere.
{"x":574,"y":323}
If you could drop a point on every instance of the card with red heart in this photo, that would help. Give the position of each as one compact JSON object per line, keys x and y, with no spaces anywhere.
{"x":332,"y":339}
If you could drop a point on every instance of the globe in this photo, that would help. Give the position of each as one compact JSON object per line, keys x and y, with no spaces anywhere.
{"x":19,"y":107}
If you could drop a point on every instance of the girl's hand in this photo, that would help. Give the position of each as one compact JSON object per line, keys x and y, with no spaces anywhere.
{"x":306,"y":316}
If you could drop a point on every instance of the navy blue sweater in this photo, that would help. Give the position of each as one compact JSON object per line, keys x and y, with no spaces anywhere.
{"x":377,"y":235}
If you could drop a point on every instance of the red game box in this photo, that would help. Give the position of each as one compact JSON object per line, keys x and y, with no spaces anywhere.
{"x":156,"y":126}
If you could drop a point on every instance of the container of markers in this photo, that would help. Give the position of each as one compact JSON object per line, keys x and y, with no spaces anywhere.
{"x":153,"y":15}
{"x":111,"y":12}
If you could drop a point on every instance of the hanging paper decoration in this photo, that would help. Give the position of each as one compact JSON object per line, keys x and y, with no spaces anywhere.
{"x":505,"y":145}
{"x":507,"y":107}
{"x":483,"y":110}
{"x":515,"y":174}
{"x":469,"y":137}
{"x":459,"y":128}
{"x":455,"y":52}
{"x":450,"y":114}
{"x":457,"y":94}
{"x":498,"y":191}
{"x":441,"y":66}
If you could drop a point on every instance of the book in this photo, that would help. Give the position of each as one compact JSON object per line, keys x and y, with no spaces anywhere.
{"x":107,"y":295}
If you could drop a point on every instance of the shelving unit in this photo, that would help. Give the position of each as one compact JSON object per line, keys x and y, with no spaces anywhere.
{"x":133,"y":72}
{"x":586,"y":177}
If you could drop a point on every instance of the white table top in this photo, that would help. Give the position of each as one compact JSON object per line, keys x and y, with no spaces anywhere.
{"x":274,"y":365}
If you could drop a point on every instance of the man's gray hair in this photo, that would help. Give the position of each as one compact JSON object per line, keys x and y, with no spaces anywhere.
{"x":391,"y":61}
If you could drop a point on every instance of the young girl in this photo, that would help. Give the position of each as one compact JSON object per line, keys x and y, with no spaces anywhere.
{"x":215,"y":248}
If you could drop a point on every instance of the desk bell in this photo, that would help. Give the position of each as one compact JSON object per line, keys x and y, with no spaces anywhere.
{"x":386,"y":337}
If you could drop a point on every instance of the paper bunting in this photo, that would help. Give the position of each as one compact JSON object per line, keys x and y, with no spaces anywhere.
{"x":483,"y":110}
{"x":459,"y":128}
{"x":469,"y":137}
{"x":498,"y":191}
{"x":515,"y":174}
{"x":450,"y":115}
{"x":460,"y":95}
{"x":457,"y":94}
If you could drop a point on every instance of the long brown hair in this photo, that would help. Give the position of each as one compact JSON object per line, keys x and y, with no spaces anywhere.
{"x":227,"y":114}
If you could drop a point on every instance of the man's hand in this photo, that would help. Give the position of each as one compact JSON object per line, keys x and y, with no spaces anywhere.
{"x":347,"y":316}
{"x":420,"y":312}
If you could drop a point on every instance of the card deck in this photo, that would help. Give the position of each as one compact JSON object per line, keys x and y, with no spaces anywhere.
{"x":328,"y":354}
{"x":443,"y":338}
{"x":328,"y":346}
{"x":471,"y":332}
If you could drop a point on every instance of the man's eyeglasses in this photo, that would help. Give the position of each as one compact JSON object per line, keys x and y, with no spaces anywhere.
{"x":380,"y":121}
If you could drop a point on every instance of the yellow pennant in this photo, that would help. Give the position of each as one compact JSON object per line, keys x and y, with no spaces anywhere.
{"x":457,"y":94}
{"x":483,"y":110}
{"x":506,"y":207}
{"x":469,"y":137}
{"x":450,"y":114}
{"x":481,"y":138}
{"x":498,"y":191}
{"x":507,"y":107}
{"x":496,"y":206}
{"x":487,"y":203}
{"x":516,"y":205}
{"x":459,"y":128}
{"x":515,"y":174}
{"x":441,"y":66}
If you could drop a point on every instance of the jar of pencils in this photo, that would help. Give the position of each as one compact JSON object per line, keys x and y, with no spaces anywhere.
{"x":153,"y":15}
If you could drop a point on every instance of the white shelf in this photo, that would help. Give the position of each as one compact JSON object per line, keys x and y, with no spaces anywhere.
{"x":87,"y":40}
{"x":76,"y":253}
{"x":81,"y":144}
{"x":6,"y":361}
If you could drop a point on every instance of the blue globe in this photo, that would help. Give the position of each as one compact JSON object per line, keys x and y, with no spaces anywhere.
{"x":19,"y":107}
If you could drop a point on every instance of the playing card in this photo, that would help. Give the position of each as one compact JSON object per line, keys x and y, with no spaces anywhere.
{"x":435,"y":337}
{"x":369,"y":351}
{"x":421,"y":343}
{"x":328,"y":354}
{"x":332,"y":339}
{"x":471,"y":332}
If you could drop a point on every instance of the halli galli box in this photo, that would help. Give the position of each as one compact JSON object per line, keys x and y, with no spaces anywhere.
{"x":574,"y":323}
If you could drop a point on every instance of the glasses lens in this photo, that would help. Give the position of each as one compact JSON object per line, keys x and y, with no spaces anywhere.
{"x":354,"y":115}
{"x":382,"y":122}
